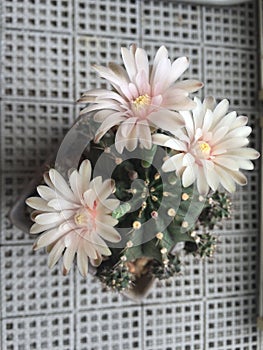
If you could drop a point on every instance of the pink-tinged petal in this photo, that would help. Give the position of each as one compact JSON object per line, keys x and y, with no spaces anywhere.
{"x":100,"y":245}
{"x":189,"y":85}
{"x":89,"y":198}
{"x":76,"y":184}
{"x":105,"y":190}
{"x":244,"y":152}
{"x":231,"y":144}
{"x":133,"y":90}
{"x":120,"y":141}
{"x":142,"y":83}
{"x":179,"y":66}
{"x":168,"y":141}
{"x":209,"y":103}
{"x":114,"y":106}
{"x":61,"y":185}
{"x":227,"y":120}
{"x":85,"y":173}
{"x":142,"y":62}
{"x":37,"y":228}
{"x":132,"y":139}
{"x":108,"y":123}
{"x":144,"y":134}
{"x":173,"y":163}
{"x":166,"y":120}
{"x":100,"y":116}
{"x":225,"y":179}
{"x":54,"y":217}
{"x":62,"y":204}
{"x":239,"y":178}
{"x":202,"y":184}
{"x":46,"y":192}
{"x":208,"y":120}
{"x":188,"y":160}
{"x":189,"y":176}
{"x":69,"y":256}
{"x":129,"y":62}
{"x":219,"y":135}
{"x":245,"y":164}
{"x":38,"y":203}
{"x":161,"y":54}
{"x":89,"y":248}
{"x":108,"y":232}
{"x":243,"y":131}
{"x":55,"y":254}
{"x":211,"y":175}
{"x":114,"y":75}
{"x":220,"y":110}
{"x":127,"y":126}
{"x":108,"y":206}
{"x":82,"y":262}
{"x":162,"y":77}
{"x":240,"y":121}
{"x":49,"y":237}
{"x":226,"y":162}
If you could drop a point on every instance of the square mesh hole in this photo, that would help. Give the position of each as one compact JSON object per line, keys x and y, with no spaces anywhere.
{"x":37,"y":66}
{"x":101,"y":51}
{"x":12,"y":185}
{"x":31,"y":132}
{"x":230,"y":26}
{"x":170,"y":21}
{"x":29,"y":286}
{"x":91,"y":294}
{"x":103,"y":18}
{"x":174,"y":326}
{"x":38,"y":332}
{"x":187,"y":285}
{"x":231,"y":73}
{"x":233,"y":269}
{"x":112,"y":329}
{"x":45,"y":15}
{"x":231,"y":324}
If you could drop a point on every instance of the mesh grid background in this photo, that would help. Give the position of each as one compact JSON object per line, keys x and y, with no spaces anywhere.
{"x":47,"y":48}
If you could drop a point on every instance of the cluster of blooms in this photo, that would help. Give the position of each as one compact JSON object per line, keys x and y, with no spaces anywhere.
{"x":148,"y":107}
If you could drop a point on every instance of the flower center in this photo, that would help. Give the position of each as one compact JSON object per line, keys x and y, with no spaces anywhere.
{"x":203,"y":150}
{"x":141,"y":101}
{"x":83,"y":218}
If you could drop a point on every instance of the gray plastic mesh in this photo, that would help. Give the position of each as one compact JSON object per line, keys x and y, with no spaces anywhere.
{"x":47,"y":50}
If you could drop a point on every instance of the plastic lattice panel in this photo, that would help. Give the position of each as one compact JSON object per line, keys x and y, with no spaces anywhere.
{"x":29,"y":287}
{"x":90,"y":50}
{"x":46,"y":15}
{"x":109,"y":329}
{"x":91,"y":294}
{"x":31,"y":132}
{"x":38,"y":333}
{"x":187,"y":285}
{"x":230,"y":26}
{"x":230,"y":324}
{"x":174,"y":326}
{"x":102,"y":18}
{"x":233,"y":269}
{"x":171,"y":22}
{"x":245,"y":209}
{"x":37,"y":66}
{"x":231,"y":73}
{"x":12,"y":186}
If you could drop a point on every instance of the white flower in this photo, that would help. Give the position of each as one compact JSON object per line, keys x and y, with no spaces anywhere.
{"x":75,"y":218}
{"x":144,"y":98}
{"x":211,"y":148}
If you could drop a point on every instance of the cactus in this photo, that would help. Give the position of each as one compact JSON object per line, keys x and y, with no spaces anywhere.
{"x":155,"y":214}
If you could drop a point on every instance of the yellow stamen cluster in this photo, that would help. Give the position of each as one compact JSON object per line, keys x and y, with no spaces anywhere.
{"x":141,"y":101}
{"x":204,"y":147}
